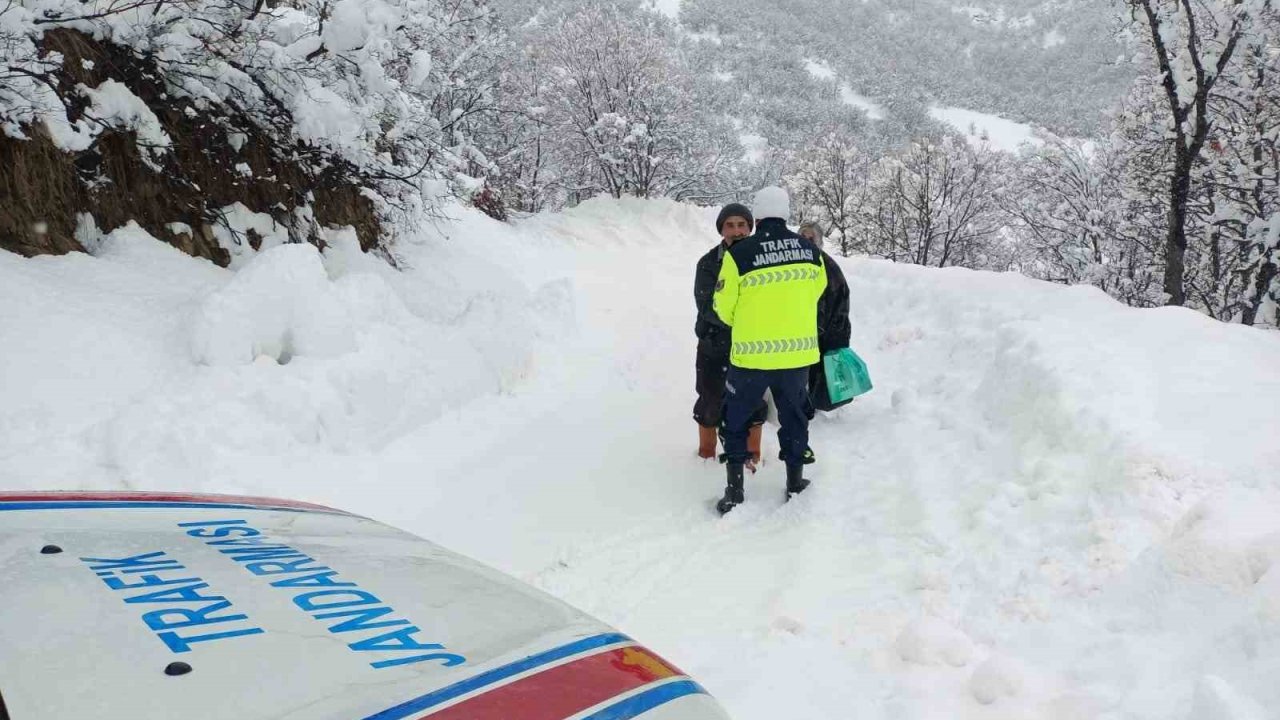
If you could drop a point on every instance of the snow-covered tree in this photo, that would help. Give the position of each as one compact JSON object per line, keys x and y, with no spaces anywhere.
{"x":522,"y":143}
{"x":828,"y":182}
{"x":1052,"y":64}
{"x":935,"y":204}
{"x":27,"y":85}
{"x":1063,"y":205}
{"x":1190,"y":45}
{"x":614,"y":105}
{"x":1075,"y":222}
{"x":1237,"y":276}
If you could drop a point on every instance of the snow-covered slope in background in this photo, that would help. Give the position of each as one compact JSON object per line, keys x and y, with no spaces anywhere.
{"x":1052,"y":506}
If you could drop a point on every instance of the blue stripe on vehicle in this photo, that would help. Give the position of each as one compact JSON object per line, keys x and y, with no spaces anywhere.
{"x":647,"y":700}
{"x":112,"y":504}
{"x":490,"y":677}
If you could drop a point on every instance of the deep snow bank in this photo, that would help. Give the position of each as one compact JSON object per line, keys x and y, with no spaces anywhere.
{"x":141,"y":367}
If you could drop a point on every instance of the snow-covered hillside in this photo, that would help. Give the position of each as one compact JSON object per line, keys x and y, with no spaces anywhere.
{"x":1052,"y":506}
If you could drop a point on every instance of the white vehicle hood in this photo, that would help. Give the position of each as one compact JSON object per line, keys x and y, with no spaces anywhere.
{"x":285,"y":610}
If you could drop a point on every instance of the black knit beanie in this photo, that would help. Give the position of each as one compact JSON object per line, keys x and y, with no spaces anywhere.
{"x":734,"y":210}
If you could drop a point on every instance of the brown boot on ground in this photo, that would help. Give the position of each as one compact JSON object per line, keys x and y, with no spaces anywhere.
{"x":753,"y":446}
{"x":706,"y":441}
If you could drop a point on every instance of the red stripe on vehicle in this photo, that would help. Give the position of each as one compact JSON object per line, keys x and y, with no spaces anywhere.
{"x":56,"y":496}
{"x":565,"y":690}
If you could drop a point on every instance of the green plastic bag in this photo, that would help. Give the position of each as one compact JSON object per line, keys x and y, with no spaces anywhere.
{"x":847,"y":375}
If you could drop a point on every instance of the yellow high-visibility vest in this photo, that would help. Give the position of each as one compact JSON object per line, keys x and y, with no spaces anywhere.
{"x":767,"y":292}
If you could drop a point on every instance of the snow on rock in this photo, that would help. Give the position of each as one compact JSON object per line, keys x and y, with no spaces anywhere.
{"x":68,"y":136}
{"x":931,"y":641}
{"x":114,"y":104}
{"x":232,"y":232}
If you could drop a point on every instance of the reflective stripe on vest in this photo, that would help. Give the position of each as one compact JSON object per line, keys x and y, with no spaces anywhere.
{"x":760,"y":347}
{"x":767,"y":277}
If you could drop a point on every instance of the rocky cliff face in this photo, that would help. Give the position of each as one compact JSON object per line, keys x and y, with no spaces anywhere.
{"x":183,"y":169}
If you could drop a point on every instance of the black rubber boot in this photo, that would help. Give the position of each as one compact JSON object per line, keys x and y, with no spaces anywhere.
{"x":795,"y":480}
{"x":808,"y":459}
{"x":733,"y":496}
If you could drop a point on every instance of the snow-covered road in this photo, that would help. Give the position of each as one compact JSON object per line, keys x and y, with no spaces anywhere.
{"x":1051,"y":506}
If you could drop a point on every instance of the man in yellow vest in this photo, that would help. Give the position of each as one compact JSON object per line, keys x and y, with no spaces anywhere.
{"x":767,"y":294}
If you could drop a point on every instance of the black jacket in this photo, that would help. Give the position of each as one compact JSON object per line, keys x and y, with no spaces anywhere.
{"x":713,"y":336}
{"x":833,"y":331}
{"x":833,"y":309}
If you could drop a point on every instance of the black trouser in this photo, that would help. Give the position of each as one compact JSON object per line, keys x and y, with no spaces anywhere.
{"x":745,"y":389}
{"x":817,"y":383}
{"x":708,"y":409}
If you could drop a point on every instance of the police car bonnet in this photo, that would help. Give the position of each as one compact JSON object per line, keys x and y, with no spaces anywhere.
{"x":151,"y":606}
